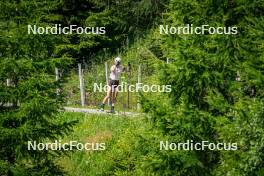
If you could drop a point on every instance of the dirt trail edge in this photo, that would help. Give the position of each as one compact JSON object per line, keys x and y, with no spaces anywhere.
{"x":96,"y":111}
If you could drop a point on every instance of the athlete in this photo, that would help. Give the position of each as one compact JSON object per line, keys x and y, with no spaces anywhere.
{"x":113,"y":84}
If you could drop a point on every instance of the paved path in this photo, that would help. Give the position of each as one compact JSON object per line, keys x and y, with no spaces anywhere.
{"x":96,"y":111}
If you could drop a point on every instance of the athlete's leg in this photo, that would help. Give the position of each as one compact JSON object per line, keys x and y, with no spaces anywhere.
{"x":115,"y":95}
{"x":108,"y":95}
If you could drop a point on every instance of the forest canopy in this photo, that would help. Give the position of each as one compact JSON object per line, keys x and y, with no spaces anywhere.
{"x":217,"y":82}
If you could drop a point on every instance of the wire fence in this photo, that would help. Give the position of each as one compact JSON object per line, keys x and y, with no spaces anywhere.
{"x":82,"y":81}
{"x":86,"y":86}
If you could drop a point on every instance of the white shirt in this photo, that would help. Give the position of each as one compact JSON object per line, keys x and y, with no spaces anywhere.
{"x":115,"y":72}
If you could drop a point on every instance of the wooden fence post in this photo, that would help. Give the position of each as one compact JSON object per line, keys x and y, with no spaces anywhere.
{"x":9,"y":84}
{"x":128,"y":85}
{"x":106,"y":78}
{"x":139,"y":81}
{"x":57,"y":79}
{"x":82,"y":89}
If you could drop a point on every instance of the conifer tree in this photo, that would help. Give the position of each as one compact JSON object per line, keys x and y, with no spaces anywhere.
{"x":29,"y":103}
{"x":217,"y":89}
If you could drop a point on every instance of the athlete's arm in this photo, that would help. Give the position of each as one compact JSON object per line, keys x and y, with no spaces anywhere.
{"x":113,"y":68}
{"x":127,"y":69}
{"x":123,"y":69}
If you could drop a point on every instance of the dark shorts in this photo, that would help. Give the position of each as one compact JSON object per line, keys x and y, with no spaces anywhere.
{"x":113,"y":83}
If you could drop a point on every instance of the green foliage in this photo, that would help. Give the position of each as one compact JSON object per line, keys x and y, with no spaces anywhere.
{"x":217,"y":85}
{"x":125,"y":148}
{"x":122,"y":20}
{"x":29,"y":103}
{"x":206,"y":102}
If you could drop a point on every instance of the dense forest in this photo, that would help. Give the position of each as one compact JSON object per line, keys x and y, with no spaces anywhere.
{"x":217,"y":86}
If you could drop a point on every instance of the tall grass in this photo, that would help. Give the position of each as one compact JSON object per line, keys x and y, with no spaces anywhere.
{"x":121,"y":137}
